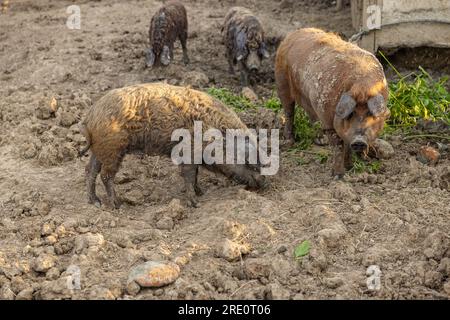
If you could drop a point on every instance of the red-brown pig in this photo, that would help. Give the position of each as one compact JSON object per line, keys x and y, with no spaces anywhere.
{"x":338,"y":84}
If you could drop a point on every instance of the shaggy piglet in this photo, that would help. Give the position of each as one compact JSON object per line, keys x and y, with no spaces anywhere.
{"x":338,"y":84}
{"x":243,"y":36}
{"x":169,"y":23}
{"x":141,"y":119}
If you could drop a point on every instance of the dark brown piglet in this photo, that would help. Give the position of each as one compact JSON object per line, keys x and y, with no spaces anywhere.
{"x":243,"y":37}
{"x":168,"y":24}
{"x":338,"y":84}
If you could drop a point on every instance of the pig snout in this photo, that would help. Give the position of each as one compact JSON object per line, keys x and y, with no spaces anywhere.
{"x":259,"y":182}
{"x":359,"y":144}
{"x":253,"y":62}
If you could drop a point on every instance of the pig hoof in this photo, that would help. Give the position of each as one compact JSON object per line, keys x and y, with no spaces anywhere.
{"x":198,"y":191}
{"x":117,"y":203}
{"x":95,"y":201}
{"x":186,"y":61}
{"x":338,"y":177}
{"x":192,"y":203}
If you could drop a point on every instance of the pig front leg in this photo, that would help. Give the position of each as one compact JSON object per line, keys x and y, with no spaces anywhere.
{"x":189,"y":173}
{"x":230,"y":64}
{"x":244,"y":75}
{"x":341,"y":154}
{"x":288,"y":103}
{"x":183,"y":40}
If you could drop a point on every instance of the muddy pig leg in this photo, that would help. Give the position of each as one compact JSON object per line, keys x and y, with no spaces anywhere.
{"x":348,"y":163}
{"x":338,"y":155}
{"x":183,"y":40}
{"x":189,"y":174}
{"x":92,"y":170}
{"x":108,"y":172}
{"x":288,"y":104}
{"x":230,"y":64}
{"x":197,"y":189}
{"x":244,"y":74}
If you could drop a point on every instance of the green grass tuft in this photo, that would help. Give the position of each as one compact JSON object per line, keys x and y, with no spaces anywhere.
{"x":304,"y":131}
{"x":360,"y":165}
{"x":417,"y":96}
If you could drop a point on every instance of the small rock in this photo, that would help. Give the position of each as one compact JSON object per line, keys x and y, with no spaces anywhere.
{"x":331,"y":237}
{"x":333,"y":283}
{"x":47,"y":109}
{"x":88,"y":240}
{"x":25,"y":294}
{"x":153,"y":274}
{"x":275,"y":291}
{"x":286,"y":4}
{"x":195,"y":79}
{"x":6,"y":293}
{"x":67,"y":119}
{"x":133,"y":288}
{"x":52,"y":274}
{"x":134,"y":197}
{"x":257,"y":268}
{"x":175,"y":209}
{"x":428,"y":155}
{"x":60,"y":231}
{"x":444,"y":266}
{"x":101,"y":293}
{"x":383,"y":149}
{"x":18,"y":284}
{"x":51,"y":239}
{"x":165,"y":223}
{"x":249,"y":94}
{"x":232,"y":251}
{"x":447,"y":288}
{"x":282,"y":249}
{"x":46,"y":229}
{"x":43,"y":263}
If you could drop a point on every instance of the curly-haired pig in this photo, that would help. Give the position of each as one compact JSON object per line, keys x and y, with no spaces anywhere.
{"x":243,"y":36}
{"x":168,"y":24}
{"x":338,"y":84}
{"x":141,"y":119}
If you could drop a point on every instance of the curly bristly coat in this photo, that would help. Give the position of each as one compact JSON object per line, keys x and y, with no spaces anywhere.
{"x":167,"y":25}
{"x":338,"y":84}
{"x":142,"y":118}
{"x":243,"y":36}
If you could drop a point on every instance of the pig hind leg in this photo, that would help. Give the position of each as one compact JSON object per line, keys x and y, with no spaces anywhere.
{"x":230,"y":63}
{"x":92,"y":170}
{"x":183,"y":39}
{"x":107,"y":173}
{"x":189,"y":173}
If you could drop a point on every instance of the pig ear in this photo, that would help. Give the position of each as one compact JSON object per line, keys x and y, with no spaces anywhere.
{"x":165,"y":56}
{"x":241,"y":45}
{"x":263,"y":51}
{"x":345,"y":106}
{"x":150,"y":58}
{"x":377,"y":105}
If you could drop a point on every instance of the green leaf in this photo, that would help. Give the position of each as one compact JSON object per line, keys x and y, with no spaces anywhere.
{"x":302,"y":249}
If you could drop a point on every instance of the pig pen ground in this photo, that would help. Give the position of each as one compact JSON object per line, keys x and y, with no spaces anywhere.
{"x":397,"y":218}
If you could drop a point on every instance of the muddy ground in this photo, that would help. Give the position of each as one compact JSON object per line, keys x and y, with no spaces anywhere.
{"x":397,"y":219}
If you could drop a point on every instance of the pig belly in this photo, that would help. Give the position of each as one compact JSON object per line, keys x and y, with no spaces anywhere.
{"x":150,"y":142}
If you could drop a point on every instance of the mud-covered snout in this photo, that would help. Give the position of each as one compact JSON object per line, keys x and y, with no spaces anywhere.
{"x":257,"y":181}
{"x":359,"y":144}
{"x":253,"y":61}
